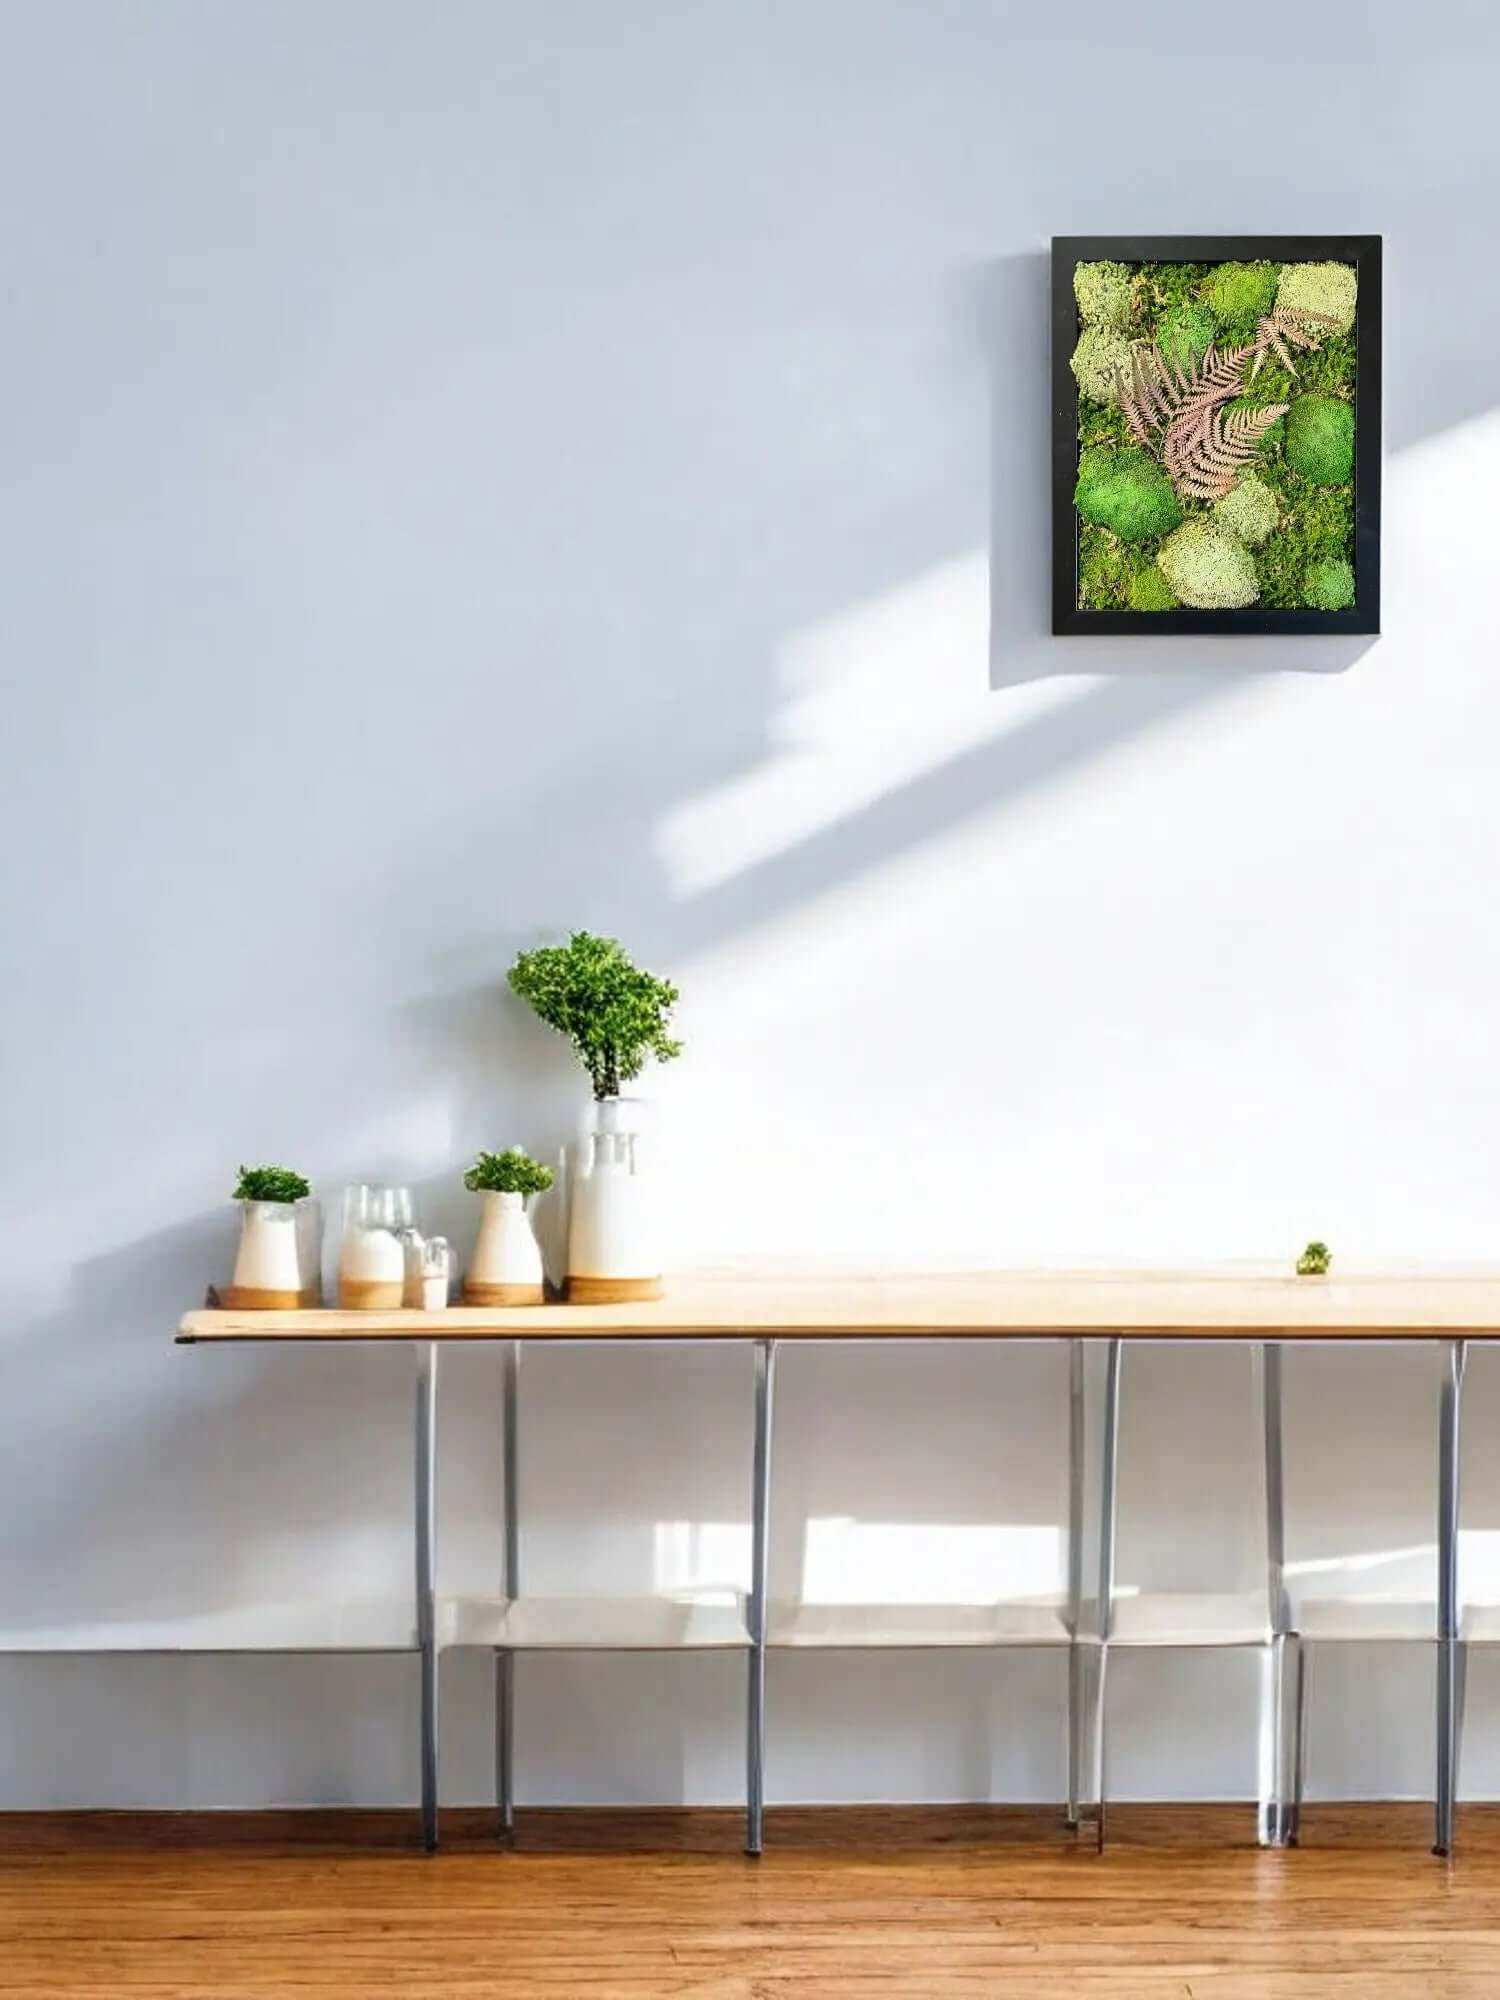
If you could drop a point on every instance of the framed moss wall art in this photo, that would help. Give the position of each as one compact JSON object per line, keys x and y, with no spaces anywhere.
{"x":1215,"y":434}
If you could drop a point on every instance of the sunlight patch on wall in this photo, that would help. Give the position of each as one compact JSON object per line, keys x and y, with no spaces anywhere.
{"x":846,"y":1561}
{"x":871,"y":700}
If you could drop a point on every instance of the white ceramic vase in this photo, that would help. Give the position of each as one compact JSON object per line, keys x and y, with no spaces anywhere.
{"x":613,"y":1255}
{"x":506,"y":1268}
{"x":268,"y":1264}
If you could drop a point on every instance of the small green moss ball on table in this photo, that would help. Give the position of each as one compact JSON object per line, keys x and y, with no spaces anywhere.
{"x":1126,"y":492}
{"x":1208,"y":569}
{"x":1249,"y":510}
{"x":1330,"y":586}
{"x":1097,"y":361}
{"x":1330,"y":289}
{"x":1320,"y":439}
{"x":1237,"y":295}
{"x":1103,"y":293}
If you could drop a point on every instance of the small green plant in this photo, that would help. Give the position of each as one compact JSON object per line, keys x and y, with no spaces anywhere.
{"x":270,"y":1184}
{"x":1314,"y":1261}
{"x":615,"y":1015}
{"x":510,"y":1172}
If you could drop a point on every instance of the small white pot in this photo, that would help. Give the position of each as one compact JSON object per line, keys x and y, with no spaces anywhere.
{"x":268,"y":1264}
{"x":506,"y":1268}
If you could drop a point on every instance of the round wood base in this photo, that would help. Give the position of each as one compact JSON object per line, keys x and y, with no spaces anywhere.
{"x":256,"y":1298}
{"x":612,"y":1291}
{"x":370,"y":1294}
{"x":502,"y":1295}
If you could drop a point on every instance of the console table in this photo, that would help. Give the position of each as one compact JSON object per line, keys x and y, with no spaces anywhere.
{"x":1097,"y":1313}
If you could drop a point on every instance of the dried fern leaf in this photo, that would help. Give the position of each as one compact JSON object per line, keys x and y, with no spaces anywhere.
{"x":1282,"y":329}
{"x":1212,"y":448}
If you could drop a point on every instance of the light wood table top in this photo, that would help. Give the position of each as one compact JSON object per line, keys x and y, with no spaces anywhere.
{"x":1161,"y":1305}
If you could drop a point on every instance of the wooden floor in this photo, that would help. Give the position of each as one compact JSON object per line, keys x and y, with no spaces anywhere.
{"x":859,"y":1905}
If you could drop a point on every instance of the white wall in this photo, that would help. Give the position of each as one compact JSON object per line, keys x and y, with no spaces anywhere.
{"x":478,"y":469}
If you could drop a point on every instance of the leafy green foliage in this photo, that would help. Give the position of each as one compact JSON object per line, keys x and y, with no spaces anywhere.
{"x":1103,"y":293}
{"x":1105,"y":567}
{"x":1185,"y":332}
{"x":1148,"y":590}
{"x":271,"y":1184}
{"x":1320,"y":288}
{"x":1208,"y":568}
{"x":1320,"y":439}
{"x":1317,"y":525}
{"x":1314,"y":1261}
{"x":615,"y":1015}
{"x":1101,"y":424}
{"x":1097,"y":360}
{"x":1127,"y":492}
{"x":510,"y":1172}
{"x":1237,"y":295}
{"x":1314,"y":523}
{"x":1249,"y":510}
{"x":1330,"y":585}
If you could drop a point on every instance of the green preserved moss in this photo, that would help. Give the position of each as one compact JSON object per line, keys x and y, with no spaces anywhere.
{"x":1330,"y":585}
{"x":1320,"y":288}
{"x":1183,"y":333}
{"x":1248,"y":510}
{"x":1148,"y":590}
{"x":1105,"y":567}
{"x":1237,"y":295}
{"x":1098,"y":358}
{"x":1317,"y":525}
{"x":1320,"y":439}
{"x":1209,"y":569}
{"x":1103,"y":293}
{"x":1127,"y":492}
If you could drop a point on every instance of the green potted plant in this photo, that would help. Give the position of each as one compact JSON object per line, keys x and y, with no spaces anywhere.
{"x":270,"y":1265}
{"x":506,"y":1268}
{"x":618,"y":1018}
{"x":1314,"y":1261}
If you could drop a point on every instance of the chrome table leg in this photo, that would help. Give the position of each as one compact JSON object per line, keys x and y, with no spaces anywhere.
{"x":1096,"y":1420}
{"x":1449,"y":1609}
{"x":510,"y":1587}
{"x":1076,"y":1503}
{"x":426,"y":1555}
{"x":755,"y":1607}
{"x":1281,"y":1749}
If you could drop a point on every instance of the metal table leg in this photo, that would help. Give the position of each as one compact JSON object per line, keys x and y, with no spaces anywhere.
{"x":1077,"y":1500}
{"x":510,"y":1586}
{"x":755,"y":1609}
{"x":1284,"y":1679}
{"x":1450,"y":1646}
{"x":1094,"y":1446}
{"x":426,"y":1563}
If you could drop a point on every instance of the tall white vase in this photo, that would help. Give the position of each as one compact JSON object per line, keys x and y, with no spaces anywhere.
{"x":613,"y":1253}
{"x":506,"y":1268}
{"x":268,"y":1264}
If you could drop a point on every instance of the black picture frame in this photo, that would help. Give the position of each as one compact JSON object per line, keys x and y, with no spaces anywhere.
{"x":1363,"y":616}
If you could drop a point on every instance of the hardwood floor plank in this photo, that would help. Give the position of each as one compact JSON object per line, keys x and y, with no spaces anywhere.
{"x":883,"y":1904}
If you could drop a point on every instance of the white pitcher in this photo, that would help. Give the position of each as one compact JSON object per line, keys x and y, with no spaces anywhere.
{"x":613,"y":1254}
{"x":506,"y":1268}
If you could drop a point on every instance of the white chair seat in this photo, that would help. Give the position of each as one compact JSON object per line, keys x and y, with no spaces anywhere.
{"x":1481,"y":1626}
{"x":1034,"y":1623}
{"x":1376,"y":1617}
{"x":1193,"y":1618}
{"x":595,"y":1624}
{"x":377,"y":1625}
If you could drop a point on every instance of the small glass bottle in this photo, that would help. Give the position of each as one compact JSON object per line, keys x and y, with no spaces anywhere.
{"x":372,"y":1266}
{"x":437,"y":1273}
